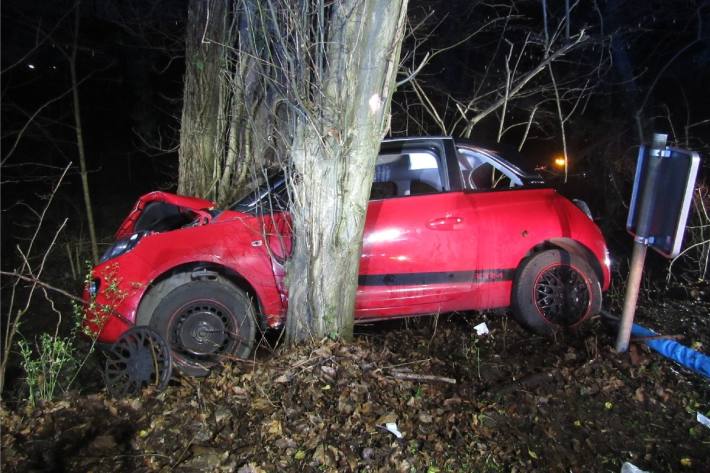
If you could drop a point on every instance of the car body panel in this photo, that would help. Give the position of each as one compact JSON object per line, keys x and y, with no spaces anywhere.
{"x":189,"y":203}
{"x":394,"y":271}
{"x":452,"y":249}
{"x":235,"y":243}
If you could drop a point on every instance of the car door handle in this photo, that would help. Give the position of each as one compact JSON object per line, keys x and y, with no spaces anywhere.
{"x":444,"y":223}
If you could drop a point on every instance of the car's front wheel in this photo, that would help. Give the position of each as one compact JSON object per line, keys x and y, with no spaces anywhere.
{"x":204,"y":322}
{"x":554,"y":290}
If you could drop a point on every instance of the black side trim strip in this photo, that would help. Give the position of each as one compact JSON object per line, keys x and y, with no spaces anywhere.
{"x":419,"y":279}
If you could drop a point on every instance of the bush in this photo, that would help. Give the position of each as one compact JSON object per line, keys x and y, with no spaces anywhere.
{"x":54,"y":362}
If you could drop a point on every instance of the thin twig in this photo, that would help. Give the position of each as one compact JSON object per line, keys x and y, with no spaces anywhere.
{"x":39,"y":283}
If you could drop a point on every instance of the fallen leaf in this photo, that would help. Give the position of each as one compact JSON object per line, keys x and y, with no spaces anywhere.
{"x":386,"y":418}
{"x":274,"y":428}
{"x":260,"y":404}
{"x":639,"y":395}
{"x":284,"y":378}
{"x":250,"y":468}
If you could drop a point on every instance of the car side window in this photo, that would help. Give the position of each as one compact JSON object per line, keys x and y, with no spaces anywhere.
{"x":482,"y":172}
{"x":405,"y":174}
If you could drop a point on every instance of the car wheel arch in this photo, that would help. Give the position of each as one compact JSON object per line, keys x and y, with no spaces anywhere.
{"x":571,"y":246}
{"x":555,"y":289}
{"x":177,"y":276}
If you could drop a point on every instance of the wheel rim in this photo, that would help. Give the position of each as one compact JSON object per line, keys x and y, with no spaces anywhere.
{"x":562,"y":295}
{"x":139,"y":358}
{"x":203,"y":330}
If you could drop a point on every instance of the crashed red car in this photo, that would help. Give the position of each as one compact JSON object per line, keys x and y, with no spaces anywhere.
{"x":450,"y":227}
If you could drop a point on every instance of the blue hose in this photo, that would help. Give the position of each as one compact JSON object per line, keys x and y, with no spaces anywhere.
{"x":681,"y":354}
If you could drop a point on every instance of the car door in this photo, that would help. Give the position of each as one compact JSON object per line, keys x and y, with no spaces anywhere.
{"x":419,"y":243}
{"x":510,"y":218}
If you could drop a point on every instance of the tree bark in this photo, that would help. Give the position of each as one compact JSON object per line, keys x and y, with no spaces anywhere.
{"x":202,"y":118}
{"x":335,"y":145}
{"x":226,"y":120}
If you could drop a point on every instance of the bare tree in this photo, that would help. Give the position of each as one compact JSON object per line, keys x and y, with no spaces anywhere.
{"x":80,"y":138}
{"x":334,"y":75}
{"x":70,"y":52}
{"x":28,"y":270}
{"x":514,"y":85}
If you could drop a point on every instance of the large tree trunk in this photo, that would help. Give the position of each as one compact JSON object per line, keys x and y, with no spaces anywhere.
{"x":225,"y":118}
{"x":202,"y":126}
{"x":334,"y":148}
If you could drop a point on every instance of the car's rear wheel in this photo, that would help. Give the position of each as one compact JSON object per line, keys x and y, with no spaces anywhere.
{"x":554,"y":290}
{"x":205,"y":322}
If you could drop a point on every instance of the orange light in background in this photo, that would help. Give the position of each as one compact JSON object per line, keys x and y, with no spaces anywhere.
{"x":560,"y":161}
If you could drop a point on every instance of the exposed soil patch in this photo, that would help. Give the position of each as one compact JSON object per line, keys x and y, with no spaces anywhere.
{"x":520,"y":403}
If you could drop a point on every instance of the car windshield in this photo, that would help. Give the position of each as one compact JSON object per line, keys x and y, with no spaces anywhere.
{"x":270,"y":194}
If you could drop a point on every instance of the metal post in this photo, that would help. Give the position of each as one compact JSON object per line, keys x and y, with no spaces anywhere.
{"x":638,"y":258}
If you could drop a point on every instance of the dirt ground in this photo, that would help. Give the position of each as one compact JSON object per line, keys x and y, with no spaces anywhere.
{"x":519,"y":403}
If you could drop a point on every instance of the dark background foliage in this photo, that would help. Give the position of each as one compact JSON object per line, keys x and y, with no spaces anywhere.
{"x":131,"y":63}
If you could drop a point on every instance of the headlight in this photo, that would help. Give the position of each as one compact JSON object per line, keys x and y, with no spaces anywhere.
{"x":607,"y":258}
{"x":121,"y":247}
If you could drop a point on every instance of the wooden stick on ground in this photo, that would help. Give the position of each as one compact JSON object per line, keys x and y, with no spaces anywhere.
{"x":427,"y":378}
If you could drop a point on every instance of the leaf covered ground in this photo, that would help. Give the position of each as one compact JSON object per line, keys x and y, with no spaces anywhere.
{"x":520,"y":403}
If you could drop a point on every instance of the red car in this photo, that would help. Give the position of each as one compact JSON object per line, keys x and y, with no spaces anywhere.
{"x":450,"y":227}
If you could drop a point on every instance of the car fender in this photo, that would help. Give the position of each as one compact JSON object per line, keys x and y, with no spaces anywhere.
{"x":196,"y":270}
{"x":580,"y":236}
{"x":232,"y":252}
{"x":579,"y":249}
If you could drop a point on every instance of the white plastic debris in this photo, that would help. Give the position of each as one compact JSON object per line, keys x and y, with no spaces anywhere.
{"x":631,"y":468}
{"x":481,"y":329}
{"x":702,"y":419}
{"x":392,"y":427}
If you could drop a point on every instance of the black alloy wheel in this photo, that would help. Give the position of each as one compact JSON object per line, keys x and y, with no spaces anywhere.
{"x":554,"y":290}
{"x":562,"y":295}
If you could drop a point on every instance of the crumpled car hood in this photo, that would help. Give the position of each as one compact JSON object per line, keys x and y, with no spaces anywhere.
{"x":177,"y":204}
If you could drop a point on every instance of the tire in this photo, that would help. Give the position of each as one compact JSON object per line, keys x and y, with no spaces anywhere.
{"x":554,"y":290}
{"x":205,"y":322}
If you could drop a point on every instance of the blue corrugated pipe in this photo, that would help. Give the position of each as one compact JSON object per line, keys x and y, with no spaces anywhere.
{"x":681,"y":354}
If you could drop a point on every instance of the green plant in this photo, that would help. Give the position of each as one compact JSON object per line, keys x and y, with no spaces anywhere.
{"x":54,"y":362}
{"x":55,"y":356}
{"x":413,"y":447}
{"x":418,"y":393}
{"x":474,"y":350}
{"x":28,"y":271}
